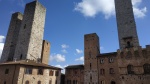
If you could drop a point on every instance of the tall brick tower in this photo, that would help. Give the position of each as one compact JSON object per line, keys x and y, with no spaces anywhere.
{"x":91,"y":50}
{"x":31,"y":33}
{"x":12,"y":37}
{"x":126,"y":24}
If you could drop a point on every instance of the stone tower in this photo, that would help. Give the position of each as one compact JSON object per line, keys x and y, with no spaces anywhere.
{"x":12,"y":37}
{"x":45,"y":52}
{"x":91,"y":50}
{"x":126,"y":24}
{"x":31,"y":33}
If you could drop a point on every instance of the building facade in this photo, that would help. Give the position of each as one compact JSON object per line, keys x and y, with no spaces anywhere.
{"x":128,"y":65}
{"x":74,"y":74}
{"x":28,"y":72}
{"x":25,"y":55}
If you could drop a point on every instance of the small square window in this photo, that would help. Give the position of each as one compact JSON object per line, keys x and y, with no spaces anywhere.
{"x":28,"y":71}
{"x":111,"y":71}
{"x":40,"y":71}
{"x":6,"y":71}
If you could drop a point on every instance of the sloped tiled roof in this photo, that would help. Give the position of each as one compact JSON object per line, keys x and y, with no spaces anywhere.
{"x":75,"y":66}
{"x":29,"y":63}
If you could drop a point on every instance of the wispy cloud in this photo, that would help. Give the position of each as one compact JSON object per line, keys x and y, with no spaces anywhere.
{"x":64,"y":51}
{"x":64,"y":46}
{"x":80,"y":59}
{"x":57,"y":57}
{"x":90,"y":8}
{"x":78,"y":51}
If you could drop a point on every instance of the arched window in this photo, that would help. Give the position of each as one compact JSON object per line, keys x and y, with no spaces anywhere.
{"x":130,"y":69}
{"x":113,"y":82}
{"x":27,"y":82}
{"x":146,"y":68}
{"x":4,"y":82}
{"x":39,"y":82}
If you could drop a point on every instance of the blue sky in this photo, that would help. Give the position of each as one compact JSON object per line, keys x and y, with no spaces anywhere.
{"x":68,"y":20}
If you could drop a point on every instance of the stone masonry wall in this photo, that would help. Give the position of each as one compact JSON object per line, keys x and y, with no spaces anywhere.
{"x":91,"y":50}
{"x":12,"y":37}
{"x":125,"y":22}
{"x":31,"y":34}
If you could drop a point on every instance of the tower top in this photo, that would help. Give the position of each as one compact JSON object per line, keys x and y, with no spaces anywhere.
{"x":127,"y":33}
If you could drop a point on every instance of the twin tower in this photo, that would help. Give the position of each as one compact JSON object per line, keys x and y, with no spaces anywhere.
{"x":25,"y":35}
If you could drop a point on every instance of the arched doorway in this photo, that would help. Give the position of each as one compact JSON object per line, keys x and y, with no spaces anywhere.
{"x":113,"y":82}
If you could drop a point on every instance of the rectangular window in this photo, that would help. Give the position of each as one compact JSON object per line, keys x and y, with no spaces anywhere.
{"x":28,"y":71}
{"x":111,"y":71}
{"x":40,"y":71}
{"x":6,"y":71}
{"x":51,"y":73}
{"x":102,"y":71}
{"x":56,"y":73}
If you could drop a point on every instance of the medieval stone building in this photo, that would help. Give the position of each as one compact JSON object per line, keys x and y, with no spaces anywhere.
{"x":25,"y":55}
{"x":128,"y":65}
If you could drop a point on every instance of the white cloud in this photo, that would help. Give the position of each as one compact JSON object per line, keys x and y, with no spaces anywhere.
{"x":64,"y":46}
{"x":1,"y":48}
{"x":79,"y":51}
{"x":57,"y":57}
{"x":90,"y":8}
{"x":2,"y":38}
{"x":63,"y":67}
{"x":1,"y":44}
{"x":64,"y":51}
{"x":80,"y":59}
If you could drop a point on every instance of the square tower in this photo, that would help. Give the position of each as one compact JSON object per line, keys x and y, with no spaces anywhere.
{"x":45,"y":52}
{"x":12,"y":37}
{"x":31,"y":33}
{"x":91,"y":51}
{"x":126,"y":24}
